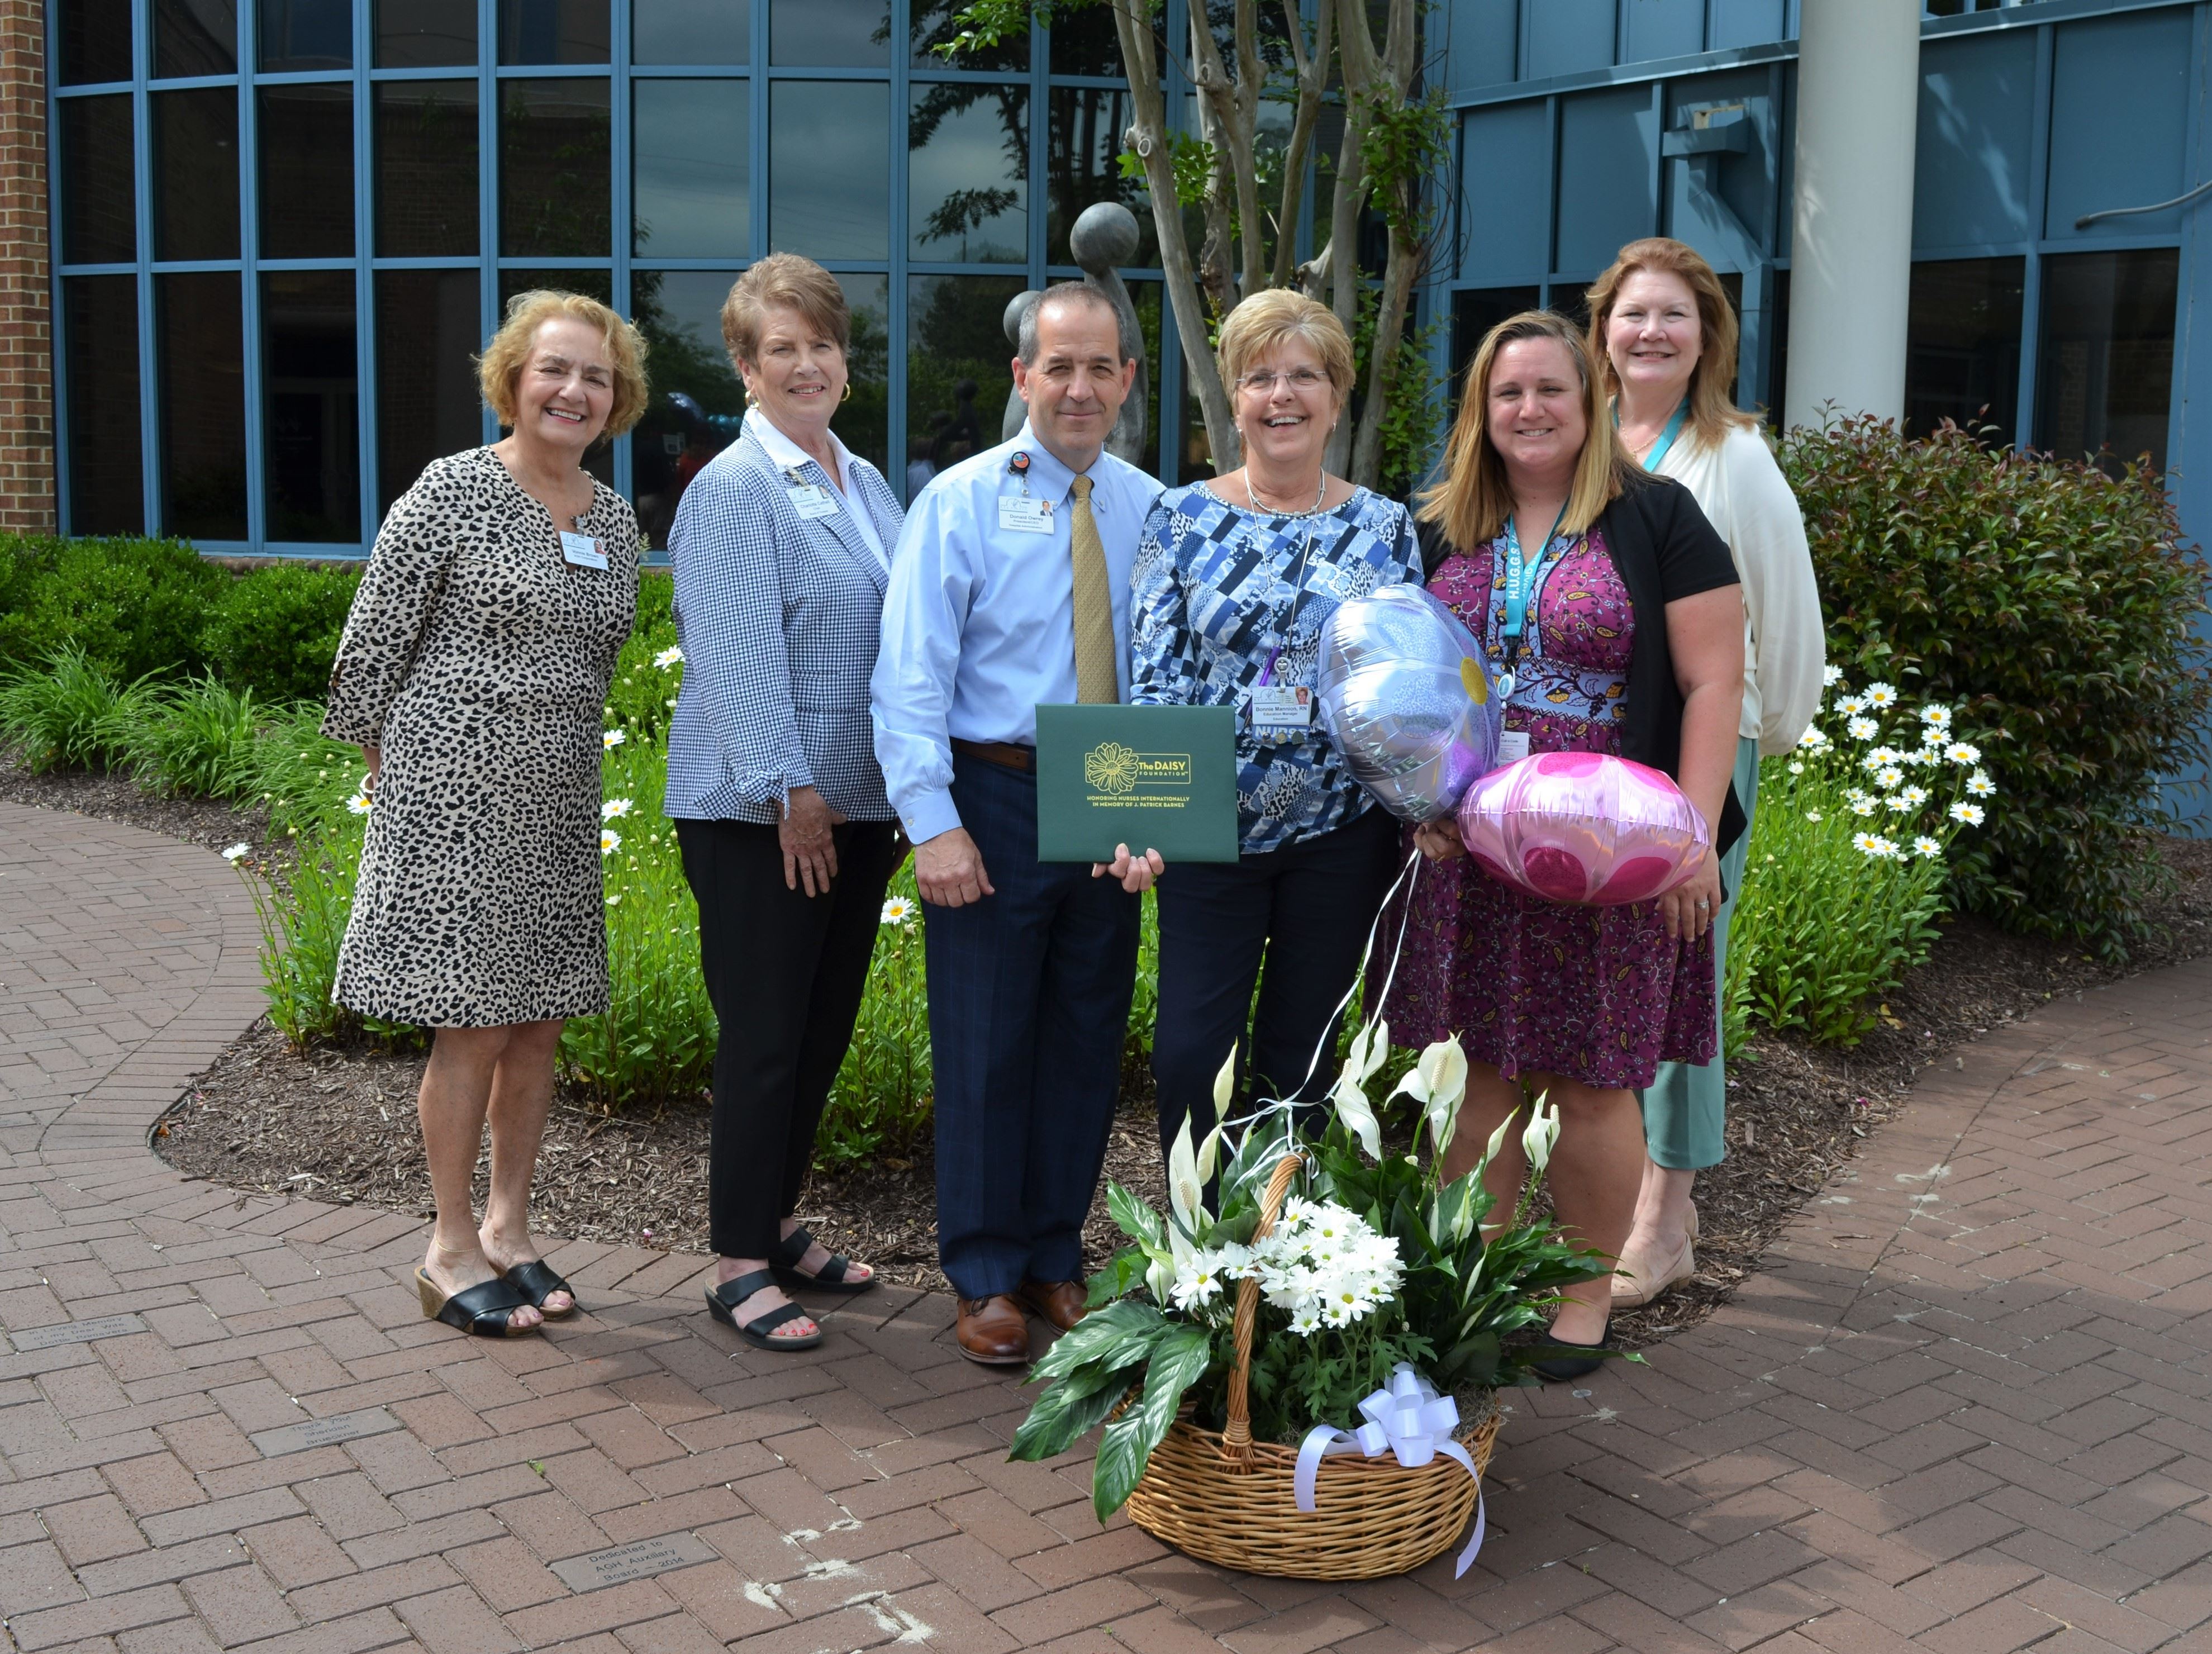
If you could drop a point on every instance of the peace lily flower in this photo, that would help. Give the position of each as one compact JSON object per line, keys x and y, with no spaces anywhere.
{"x":1437,"y":1082}
{"x":898,"y":911}
{"x":668,"y":657}
{"x":614,"y":809}
{"x":1980,"y":785}
{"x":1370,"y":1047}
{"x":612,"y":738}
{"x":1963,"y":753}
{"x":1969,"y":813}
{"x":1186,"y":1188}
{"x":610,"y":841}
{"x":1542,"y":1132}
{"x":1863,"y":729}
{"x":1924,"y":847}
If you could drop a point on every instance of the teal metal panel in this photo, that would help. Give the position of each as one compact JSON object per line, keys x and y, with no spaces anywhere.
{"x":1977,"y":129}
{"x":1504,"y":214}
{"x":1748,"y":22}
{"x":1661,"y":28}
{"x":2119,"y":124}
{"x":1484,"y":44}
{"x":1725,"y":207}
{"x":1566,"y":36}
{"x":1608,"y":159}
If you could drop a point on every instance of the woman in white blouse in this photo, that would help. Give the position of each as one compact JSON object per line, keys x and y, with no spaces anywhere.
{"x":1665,"y":339}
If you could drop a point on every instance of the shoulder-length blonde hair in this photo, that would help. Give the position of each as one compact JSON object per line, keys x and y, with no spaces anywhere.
{"x":1713,"y":412}
{"x":1472,"y":500}
{"x":499,"y":369}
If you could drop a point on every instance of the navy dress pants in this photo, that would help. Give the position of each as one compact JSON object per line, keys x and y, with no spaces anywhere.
{"x":1028,"y":1004}
{"x":1307,"y":908}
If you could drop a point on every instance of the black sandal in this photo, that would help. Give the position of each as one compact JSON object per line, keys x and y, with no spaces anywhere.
{"x":1562,"y":1368}
{"x":724,"y":1299}
{"x":486,"y":1309}
{"x":785,"y":1261}
{"x":535,"y":1279}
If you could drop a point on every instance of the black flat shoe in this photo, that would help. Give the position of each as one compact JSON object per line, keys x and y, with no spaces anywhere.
{"x":1561,"y":1368}
{"x":784,"y":1260}
{"x":486,"y":1309}
{"x":724,"y":1299}
{"x":535,"y":1280}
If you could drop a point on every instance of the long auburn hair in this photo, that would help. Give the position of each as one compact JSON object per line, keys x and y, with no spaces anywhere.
{"x":1713,"y":412}
{"x":1472,"y":500}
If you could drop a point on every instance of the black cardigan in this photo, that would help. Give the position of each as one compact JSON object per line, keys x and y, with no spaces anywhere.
{"x":1663,"y":548}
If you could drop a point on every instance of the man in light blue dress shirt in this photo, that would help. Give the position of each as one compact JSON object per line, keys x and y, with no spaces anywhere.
{"x":1032,"y":964}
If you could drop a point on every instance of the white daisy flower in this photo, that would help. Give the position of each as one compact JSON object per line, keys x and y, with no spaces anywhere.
{"x":1963,"y":753}
{"x":1970,"y":813}
{"x":1306,"y":1322}
{"x":1890,"y":776}
{"x":237,"y":853}
{"x":610,"y":841}
{"x":1201,"y":1286}
{"x":1831,"y":676}
{"x":1863,"y":805}
{"x":1813,"y":815}
{"x":1851,"y":705}
{"x":615,"y":809}
{"x":358,"y":804}
{"x":1863,"y":729}
{"x":612,"y":738}
{"x":615,"y":900}
{"x":1812,"y":740}
{"x":1875,"y":845}
{"x":1881,"y":697}
{"x":1980,"y":785}
{"x":1796,"y":767}
{"x":898,"y":911}
{"x":1935,"y":712}
{"x":1914,"y":795}
{"x":668,"y":657}
{"x":1925,"y":847}
{"x":1881,"y":756}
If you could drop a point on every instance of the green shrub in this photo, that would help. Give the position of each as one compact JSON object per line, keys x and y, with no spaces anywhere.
{"x":883,"y":1100}
{"x":68,"y":711}
{"x":2054,"y":605}
{"x":303,"y":921}
{"x":656,"y":600}
{"x":197,"y":737}
{"x":134,"y":606}
{"x":305,"y":778}
{"x":648,"y":673}
{"x":275,"y":630}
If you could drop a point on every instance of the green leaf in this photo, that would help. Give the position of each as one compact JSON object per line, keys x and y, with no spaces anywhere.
{"x":1070,"y":1409}
{"x":1120,"y":1335}
{"x":1122,"y":1271}
{"x":1180,"y":1358}
{"x":1137,"y":1221}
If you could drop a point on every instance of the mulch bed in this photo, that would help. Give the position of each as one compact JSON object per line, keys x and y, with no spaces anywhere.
{"x":337,"y":1124}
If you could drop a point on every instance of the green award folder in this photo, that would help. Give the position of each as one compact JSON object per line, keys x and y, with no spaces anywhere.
{"x":1157,"y":778}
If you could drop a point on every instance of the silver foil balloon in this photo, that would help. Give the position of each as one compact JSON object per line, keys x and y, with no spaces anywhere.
{"x":1408,"y":699}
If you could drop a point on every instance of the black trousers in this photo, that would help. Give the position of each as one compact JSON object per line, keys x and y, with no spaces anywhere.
{"x":786,"y":973}
{"x":1306,"y":908}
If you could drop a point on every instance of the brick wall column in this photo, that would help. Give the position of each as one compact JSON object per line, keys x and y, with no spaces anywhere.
{"x":27,"y":380}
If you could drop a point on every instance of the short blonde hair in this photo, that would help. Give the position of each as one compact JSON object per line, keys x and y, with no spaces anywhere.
{"x":783,"y":278}
{"x":1472,"y":500}
{"x":1713,"y":414}
{"x":499,"y":369}
{"x":1265,"y":320}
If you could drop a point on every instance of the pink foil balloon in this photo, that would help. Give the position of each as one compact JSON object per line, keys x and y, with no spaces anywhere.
{"x":1582,"y":827}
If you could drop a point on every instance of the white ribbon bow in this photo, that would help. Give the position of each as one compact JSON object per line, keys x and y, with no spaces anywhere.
{"x":1408,"y":1419}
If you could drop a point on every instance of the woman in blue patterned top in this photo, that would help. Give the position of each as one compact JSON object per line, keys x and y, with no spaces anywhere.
{"x":1234,"y":579}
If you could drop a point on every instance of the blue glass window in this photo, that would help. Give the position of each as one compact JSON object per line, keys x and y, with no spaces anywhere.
{"x":425,"y":34}
{"x":298,"y":35}
{"x":307,"y":170}
{"x":428,"y":328}
{"x":195,"y":37}
{"x":849,"y":35}
{"x":196,"y":165}
{"x":95,"y":41}
{"x":107,"y":485}
{"x":201,"y":337}
{"x":311,"y":410}
{"x":829,"y":169}
{"x":553,"y":31}
{"x":716,"y":31}
{"x":425,"y":168}
{"x":690,"y":190}
{"x":99,"y":214}
{"x":555,"y":159}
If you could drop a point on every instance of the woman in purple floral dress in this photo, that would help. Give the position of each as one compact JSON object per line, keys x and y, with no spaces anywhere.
{"x":1623,"y":635}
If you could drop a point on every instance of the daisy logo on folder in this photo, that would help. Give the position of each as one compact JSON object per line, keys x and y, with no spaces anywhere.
{"x":1110,"y":767}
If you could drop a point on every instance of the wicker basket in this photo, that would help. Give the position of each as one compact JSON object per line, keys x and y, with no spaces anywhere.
{"x":1222,"y":1497}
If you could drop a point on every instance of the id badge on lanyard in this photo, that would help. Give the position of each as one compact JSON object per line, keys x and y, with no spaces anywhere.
{"x":1520,"y":581}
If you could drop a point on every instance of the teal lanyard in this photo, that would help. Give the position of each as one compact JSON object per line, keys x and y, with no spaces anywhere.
{"x":1519,"y":582}
{"x":1666,"y":437}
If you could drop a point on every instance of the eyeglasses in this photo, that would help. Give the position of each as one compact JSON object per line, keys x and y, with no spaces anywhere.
{"x":1302,"y":379}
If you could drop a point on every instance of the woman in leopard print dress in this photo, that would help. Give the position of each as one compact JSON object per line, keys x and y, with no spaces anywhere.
{"x":472,"y":672}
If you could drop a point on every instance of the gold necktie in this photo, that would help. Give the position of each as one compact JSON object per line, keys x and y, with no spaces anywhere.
{"x":1095,"y":678}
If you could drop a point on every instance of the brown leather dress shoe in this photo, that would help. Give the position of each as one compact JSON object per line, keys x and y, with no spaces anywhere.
{"x":992,"y":1330}
{"x":1060,"y":1301}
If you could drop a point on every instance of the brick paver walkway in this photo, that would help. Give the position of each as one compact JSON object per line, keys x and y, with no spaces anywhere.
{"x":1969,"y":1410}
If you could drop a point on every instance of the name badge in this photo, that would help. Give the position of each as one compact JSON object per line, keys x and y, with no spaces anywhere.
{"x":1512,"y":745}
{"x":1024,"y":514}
{"x":1282,"y":706}
{"x":811,"y":501}
{"x":582,"y":550}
